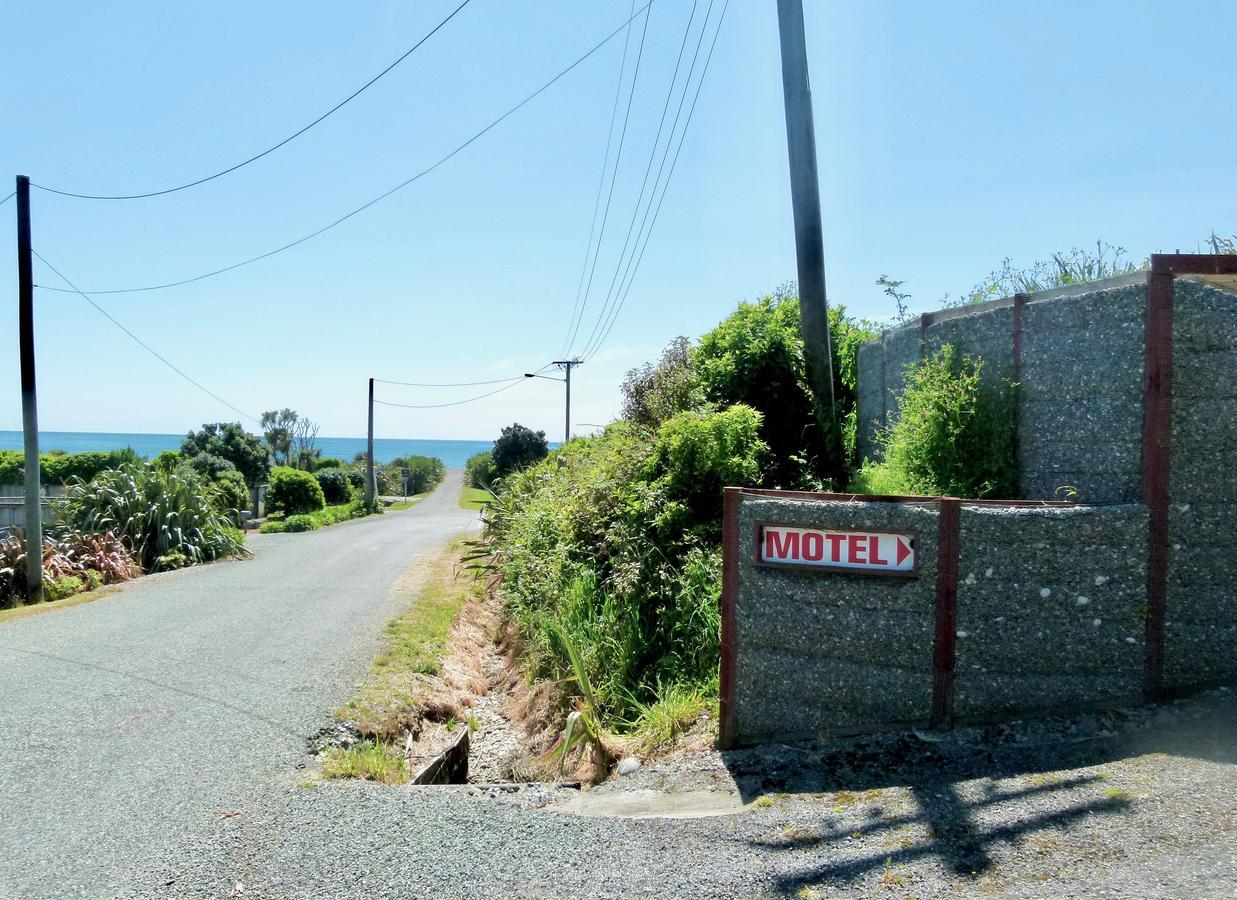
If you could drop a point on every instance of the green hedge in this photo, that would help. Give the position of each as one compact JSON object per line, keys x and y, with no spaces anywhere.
{"x":61,"y":468}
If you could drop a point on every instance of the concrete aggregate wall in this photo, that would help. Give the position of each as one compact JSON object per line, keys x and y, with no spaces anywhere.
{"x":827,"y":653}
{"x":832,"y":652}
{"x":1050,"y":607}
{"x":1080,"y":383}
{"x":1201,"y":624}
{"x":1080,"y":396}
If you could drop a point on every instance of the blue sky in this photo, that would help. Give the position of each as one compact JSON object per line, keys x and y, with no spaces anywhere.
{"x":951,"y":135}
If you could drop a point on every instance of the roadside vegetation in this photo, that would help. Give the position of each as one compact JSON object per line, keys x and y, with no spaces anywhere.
{"x":606,"y":554}
{"x":410,"y":695}
{"x":954,"y":435}
{"x":120,"y":516}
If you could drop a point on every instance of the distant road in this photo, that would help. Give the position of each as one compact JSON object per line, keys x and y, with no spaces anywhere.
{"x":136,"y":724}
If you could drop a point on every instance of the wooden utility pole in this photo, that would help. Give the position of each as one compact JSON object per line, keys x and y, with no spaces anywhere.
{"x":809,"y":242}
{"x":567,"y":365}
{"x":29,"y":403}
{"x":370,"y":488}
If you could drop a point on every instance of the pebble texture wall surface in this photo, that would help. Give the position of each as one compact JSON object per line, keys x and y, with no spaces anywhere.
{"x":1201,"y":623}
{"x":1080,"y":383}
{"x":1080,"y":396}
{"x":1049,"y":614}
{"x":1050,"y":607}
{"x":819,"y":653}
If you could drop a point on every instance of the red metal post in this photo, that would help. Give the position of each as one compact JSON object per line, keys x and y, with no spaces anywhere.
{"x":732,"y":499}
{"x":1157,"y":431}
{"x":949,"y":527}
{"x":1019,"y":302}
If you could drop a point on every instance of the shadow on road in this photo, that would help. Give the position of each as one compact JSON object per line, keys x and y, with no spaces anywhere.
{"x":955,"y":783}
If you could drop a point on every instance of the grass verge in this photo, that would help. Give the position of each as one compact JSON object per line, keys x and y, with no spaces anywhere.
{"x":17,"y":613}
{"x":474,"y":498}
{"x":412,"y":501}
{"x":405,"y":687}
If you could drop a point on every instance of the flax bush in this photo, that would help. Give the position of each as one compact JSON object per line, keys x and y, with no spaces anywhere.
{"x":166,"y":519}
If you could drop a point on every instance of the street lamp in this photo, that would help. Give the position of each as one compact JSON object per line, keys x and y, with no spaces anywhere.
{"x":566,"y":365}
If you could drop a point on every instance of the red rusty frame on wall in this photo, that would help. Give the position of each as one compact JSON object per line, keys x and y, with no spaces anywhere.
{"x":945,"y":617}
{"x":1157,"y":435}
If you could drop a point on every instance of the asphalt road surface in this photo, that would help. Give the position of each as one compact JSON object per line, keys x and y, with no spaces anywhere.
{"x":153,"y":744}
{"x":133,"y":725}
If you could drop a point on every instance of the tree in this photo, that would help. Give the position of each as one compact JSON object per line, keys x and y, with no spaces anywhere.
{"x":231,"y":442}
{"x":518,"y":447}
{"x":291,"y":438}
{"x":277,"y":430}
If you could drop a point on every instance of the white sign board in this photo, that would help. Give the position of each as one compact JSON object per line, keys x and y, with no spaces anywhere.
{"x":855,"y":551}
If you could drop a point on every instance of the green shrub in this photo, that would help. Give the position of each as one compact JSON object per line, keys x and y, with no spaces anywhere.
{"x":164,"y":517}
{"x":328,"y":462}
{"x":755,"y":357}
{"x":233,"y":495}
{"x":292,"y":491}
{"x":614,"y":540}
{"x":517,"y":447}
{"x":335,"y":485}
{"x":210,"y":466}
{"x":954,"y":434}
{"x":57,"y":467}
{"x":272,"y":527}
{"x":167,"y":460}
{"x":479,"y":470}
{"x":229,"y":440}
{"x":654,"y":393}
{"x":63,"y":587}
{"x":424,"y":473}
{"x":299,"y":523}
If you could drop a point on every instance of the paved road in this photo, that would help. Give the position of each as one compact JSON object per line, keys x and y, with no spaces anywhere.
{"x":151,"y":745}
{"x":131,"y":725}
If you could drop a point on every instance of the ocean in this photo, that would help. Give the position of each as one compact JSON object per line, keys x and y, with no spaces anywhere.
{"x":452,"y":453}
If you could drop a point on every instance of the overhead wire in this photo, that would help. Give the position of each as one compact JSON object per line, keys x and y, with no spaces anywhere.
{"x":152,"y":351}
{"x":257,"y":156}
{"x":601,"y":184}
{"x":426,"y":384}
{"x":657,"y":212}
{"x":453,"y":402}
{"x":8,"y":198}
{"x":635,"y":213}
{"x":613,"y":178}
{"x":380,"y":197}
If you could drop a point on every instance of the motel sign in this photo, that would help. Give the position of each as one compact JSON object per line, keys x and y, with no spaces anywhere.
{"x":853,"y":551}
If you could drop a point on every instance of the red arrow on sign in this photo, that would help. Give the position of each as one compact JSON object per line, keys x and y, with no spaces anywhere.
{"x":904,"y":550}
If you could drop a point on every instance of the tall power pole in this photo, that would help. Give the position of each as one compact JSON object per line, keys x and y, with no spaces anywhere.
{"x":369,"y":451}
{"x":809,"y":242}
{"x":567,"y":365}
{"x":29,"y":402}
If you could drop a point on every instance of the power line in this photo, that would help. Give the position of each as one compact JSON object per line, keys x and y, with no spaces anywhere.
{"x":638,"y":259}
{"x":613,"y":179}
{"x":418,"y":384}
{"x":601,"y":182}
{"x":380,"y":197}
{"x":423,"y":384}
{"x":155,"y":353}
{"x":454,"y":402}
{"x":8,"y":198}
{"x":635,"y":213}
{"x":270,"y":149}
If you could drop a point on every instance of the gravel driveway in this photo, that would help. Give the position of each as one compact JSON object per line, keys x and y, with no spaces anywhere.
{"x":155,"y":745}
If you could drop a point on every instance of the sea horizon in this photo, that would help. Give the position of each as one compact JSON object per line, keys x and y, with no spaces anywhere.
{"x":453,"y":453}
